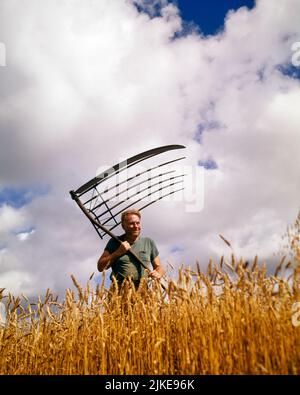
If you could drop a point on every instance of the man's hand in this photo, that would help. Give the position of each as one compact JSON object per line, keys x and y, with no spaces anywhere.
{"x":155,"y":274}
{"x":124,"y":247}
{"x":107,"y":259}
{"x":158,"y":271}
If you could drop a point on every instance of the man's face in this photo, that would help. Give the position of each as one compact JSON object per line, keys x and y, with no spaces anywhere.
{"x":132,"y":225}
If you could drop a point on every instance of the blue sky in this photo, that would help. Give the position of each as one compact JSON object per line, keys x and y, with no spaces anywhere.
{"x":209,"y":15}
{"x":19,"y":197}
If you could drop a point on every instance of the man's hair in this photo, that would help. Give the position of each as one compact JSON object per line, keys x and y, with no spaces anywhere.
{"x":130,"y":212}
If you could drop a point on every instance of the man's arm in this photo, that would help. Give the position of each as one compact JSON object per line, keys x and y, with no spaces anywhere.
{"x":158,"y":271}
{"x":107,"y":259}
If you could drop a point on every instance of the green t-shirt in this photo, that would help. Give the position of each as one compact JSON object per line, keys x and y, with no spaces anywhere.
{"x":127,"y":265}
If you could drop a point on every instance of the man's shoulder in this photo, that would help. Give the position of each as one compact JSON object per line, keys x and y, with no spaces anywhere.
{"x":113,"y":244}
{"x":147,"y":240}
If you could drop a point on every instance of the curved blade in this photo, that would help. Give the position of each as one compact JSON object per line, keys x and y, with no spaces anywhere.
{"x":125,"y":164}
{"x":133,"y":177}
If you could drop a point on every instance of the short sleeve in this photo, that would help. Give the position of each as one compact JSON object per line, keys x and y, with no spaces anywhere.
{"x":154,"y":250}
{"x":111,"y":246}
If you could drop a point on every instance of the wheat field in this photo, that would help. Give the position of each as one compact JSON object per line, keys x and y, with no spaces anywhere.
{"x":232,"y":319}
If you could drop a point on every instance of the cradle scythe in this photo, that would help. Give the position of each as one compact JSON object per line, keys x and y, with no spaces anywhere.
{"x":96,"y":205}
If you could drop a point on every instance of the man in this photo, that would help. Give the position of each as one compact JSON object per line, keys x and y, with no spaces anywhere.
{"x":123,"y":264}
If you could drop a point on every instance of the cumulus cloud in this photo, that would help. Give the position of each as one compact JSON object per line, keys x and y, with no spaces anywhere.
{"x":88,"y":83}
{"x":11,"y":219}
{"x":23,"y":236}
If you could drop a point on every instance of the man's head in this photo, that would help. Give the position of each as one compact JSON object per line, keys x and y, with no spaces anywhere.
{"x":131,"y":223}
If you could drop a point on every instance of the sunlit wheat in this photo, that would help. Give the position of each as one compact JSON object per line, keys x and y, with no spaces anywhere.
{"x":230,"y":320}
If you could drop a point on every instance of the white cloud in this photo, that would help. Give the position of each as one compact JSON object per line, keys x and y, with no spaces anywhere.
{"x":23,"y":236}
{"x":89,"y":82}
{"x":11,"y":219}
{"x":17,"y":282}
